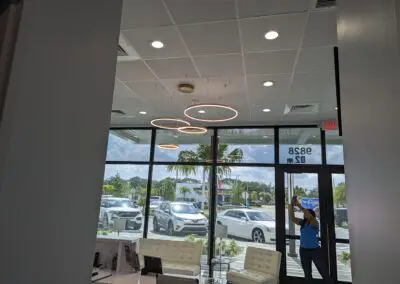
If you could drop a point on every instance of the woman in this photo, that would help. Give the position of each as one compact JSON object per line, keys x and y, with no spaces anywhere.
{"x":310,"y":251}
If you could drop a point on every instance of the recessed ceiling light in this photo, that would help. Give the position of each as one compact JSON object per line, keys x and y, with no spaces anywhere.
{"x":336,"y":108}
{"x":157,"y":44}
{"x":202,"y":111}
{"x":265,"y":136}
{"x":268,"y":83}
{"x":143,"y":112}
{"x":271,"y":35}
{"x":266,"y":110}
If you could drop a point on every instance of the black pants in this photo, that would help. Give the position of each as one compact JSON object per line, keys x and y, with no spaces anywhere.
{"x":307,"y":257}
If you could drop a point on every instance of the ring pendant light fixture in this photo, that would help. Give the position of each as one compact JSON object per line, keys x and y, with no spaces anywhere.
{"x":179,"y":123}
{"x":168,"y":146}
{"x":235,"y":113}
{"x":192,"y":130}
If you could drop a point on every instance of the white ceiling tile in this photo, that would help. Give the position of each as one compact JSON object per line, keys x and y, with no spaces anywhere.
{"x":198,"y":11}
{"x":220,"y":65}
{"x":143,"y":13}
{"x":133,"y":71}
{"x":290,"y":29}
{"x":316,"y":58}
{"x":141,"y":40}
{"x":121,"y":90}
{"x":129,"y":106}
{"x":272,"y":62}
{"x":255,"y":8}
{"x":212,"y":38}
{"x":313,"y":87}
{"x":275,"y":114}
{"x":321,"y":29}
{"x":177,"y":68}
{"x":259,"y":94}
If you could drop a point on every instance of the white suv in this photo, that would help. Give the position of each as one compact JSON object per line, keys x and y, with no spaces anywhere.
{"x":113,"y":208}
{"x":179,"y":217}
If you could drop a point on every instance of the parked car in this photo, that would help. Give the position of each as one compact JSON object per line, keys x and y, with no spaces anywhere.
{"x":256,"y":203}
{"x":251,"y":224}
{"x":156,"y":198}
{"x":179,"y":217}
{"x":113,"y":208}
{"x":154,"y":205}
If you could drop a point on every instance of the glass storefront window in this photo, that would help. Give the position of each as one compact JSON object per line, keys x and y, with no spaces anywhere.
{"x":246,"y":207}
{"x":129,"y":145}
{"x":246,"y":145}
{"x":334,"y":148}
{"x":173,"y":146}
{"x":300,"y":146}
{"x":121,"y":211}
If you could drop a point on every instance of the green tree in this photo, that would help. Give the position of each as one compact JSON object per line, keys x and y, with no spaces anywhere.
{"x":184,"y":190}
{"x":108,"y":189}
{"x":299,"y":191}
{"x":339,"y":195}
{"x":237,"y":193}
{"x":254,"y":195}
{"x":167,"y":189}
{"x":121,"y":187}
{"x":204,"y":153}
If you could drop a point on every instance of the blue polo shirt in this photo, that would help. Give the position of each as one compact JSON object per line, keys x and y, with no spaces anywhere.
{"x":309,"y":235}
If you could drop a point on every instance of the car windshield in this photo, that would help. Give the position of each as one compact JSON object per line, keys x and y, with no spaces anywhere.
{"x":259,"y":216}
{"x":120,"y":203}
{"x":184,"y":208}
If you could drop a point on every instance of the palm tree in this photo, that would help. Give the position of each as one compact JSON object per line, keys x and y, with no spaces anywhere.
{"x":184,"y":190}
{"x":204,"y":153}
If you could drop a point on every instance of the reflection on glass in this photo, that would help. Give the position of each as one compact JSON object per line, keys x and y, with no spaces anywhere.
{"x":121,"y":209}
{"x":343,"y":262}
{"x":129,"y":145}
{"x":334,"y":148}
{"x":340,"y":206}
{"x":246,"y":208}
{"x":179,"y":205}
{"x":247,"y":145}
{"x":187,"y":147}
{"x":300,"y":146}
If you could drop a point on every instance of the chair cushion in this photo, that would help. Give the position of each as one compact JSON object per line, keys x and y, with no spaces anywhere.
{"x":250,"y":277}
{"x":180,"y":268}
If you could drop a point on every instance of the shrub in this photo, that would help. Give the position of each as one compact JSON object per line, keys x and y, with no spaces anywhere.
{"x":227,"y":248}
{"x":344,"y":257}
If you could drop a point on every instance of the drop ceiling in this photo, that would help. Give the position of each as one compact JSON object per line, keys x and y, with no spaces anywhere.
{"x":219,"y":46}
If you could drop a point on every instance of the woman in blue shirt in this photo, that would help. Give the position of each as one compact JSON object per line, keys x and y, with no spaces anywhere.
{"x":310,"y":251}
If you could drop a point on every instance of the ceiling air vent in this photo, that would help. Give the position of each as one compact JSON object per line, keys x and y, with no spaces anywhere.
{"x":121,"y":51}
{"x":325,"y":3}
{"x":118,"y":111}
{"x":301,"y":109}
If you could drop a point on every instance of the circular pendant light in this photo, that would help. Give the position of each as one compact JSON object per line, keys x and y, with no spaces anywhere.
{"x":192,"y":129}
{"x":235,"y":113}
{"x":158,"y":122}
{"x":168,"y":146}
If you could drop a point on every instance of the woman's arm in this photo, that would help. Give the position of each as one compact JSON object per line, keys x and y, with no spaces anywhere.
{"x":291,"y":214}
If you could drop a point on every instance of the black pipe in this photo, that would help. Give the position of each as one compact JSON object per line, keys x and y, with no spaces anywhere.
{"x":337,"y":85}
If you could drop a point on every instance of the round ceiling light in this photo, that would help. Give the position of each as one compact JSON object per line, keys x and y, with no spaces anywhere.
{"x":202,"y":111}
{"x":266,"y":110}
{"x":235,"y":113}
{"x":268,"y":83}
{"x":157,"y":44}
{"x":143,"y":112}
{"x":192,"y":129}
{"x":271,"y":35}
{"x":186,"y":88}
{"x":178,"y":123}
{"x":168,"y":146}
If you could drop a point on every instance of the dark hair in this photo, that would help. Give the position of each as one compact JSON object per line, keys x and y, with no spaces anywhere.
{"x":312,"y":212}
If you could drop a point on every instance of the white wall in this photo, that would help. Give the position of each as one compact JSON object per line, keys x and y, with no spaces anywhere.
{"x":369,"y":69}
{"x":53,"y":139}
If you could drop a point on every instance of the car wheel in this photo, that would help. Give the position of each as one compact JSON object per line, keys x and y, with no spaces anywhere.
{"x":105,"y":221}
{"x":171,"y":230}
{"x":258,"y":236}
{"x":156,"y":228}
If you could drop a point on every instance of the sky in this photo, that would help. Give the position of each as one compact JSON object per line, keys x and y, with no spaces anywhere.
{"x":126,"y":150}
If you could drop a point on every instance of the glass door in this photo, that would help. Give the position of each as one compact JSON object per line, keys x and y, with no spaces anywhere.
{"x":323,"y":192}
